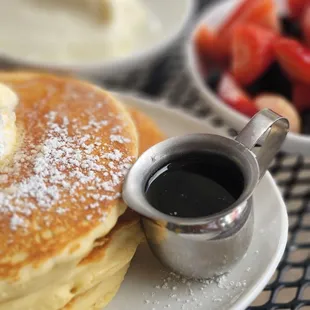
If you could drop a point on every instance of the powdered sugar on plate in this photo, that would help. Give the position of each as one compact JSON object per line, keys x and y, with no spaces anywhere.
{"x":189,"y":293}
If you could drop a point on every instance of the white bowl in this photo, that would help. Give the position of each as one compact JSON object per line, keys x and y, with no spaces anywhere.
{"x":213,"y":17}
{"x":173,"y":16}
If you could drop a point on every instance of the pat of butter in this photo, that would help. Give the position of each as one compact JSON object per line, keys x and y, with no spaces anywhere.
{"x":8,"y":130}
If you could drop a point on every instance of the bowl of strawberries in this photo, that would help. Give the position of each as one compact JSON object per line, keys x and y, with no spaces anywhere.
{"x":247,"y":55}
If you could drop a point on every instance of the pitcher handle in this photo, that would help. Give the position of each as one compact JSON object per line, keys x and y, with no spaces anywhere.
{"x":267,"y":129}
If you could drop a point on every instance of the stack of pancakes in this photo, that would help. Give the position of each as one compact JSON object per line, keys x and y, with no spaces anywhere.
{"x":66,"y":238}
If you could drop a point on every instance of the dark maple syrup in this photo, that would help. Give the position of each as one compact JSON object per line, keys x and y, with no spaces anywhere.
{"x":197,"y":185}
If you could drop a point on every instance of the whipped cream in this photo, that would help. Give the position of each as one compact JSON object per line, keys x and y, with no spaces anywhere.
{"x":8,"y":130}
{"x":75,"y":31}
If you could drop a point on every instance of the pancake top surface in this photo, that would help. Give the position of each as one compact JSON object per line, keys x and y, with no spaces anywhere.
{"x":65,"y":177}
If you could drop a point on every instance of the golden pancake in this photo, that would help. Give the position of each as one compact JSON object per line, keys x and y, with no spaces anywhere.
{"x":97,"y":277}
{"x":100,"y":295}
{"x":110,"y":255}
{"x":61,"y":189}
{"x":148,"y":131}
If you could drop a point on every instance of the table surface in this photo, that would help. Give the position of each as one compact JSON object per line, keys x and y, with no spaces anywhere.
{"x":166,"y":78}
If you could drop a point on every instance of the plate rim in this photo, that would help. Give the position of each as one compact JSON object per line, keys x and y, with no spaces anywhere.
{"x":249,"y":296}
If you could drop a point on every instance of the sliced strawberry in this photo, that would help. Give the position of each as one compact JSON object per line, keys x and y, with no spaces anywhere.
{"x":305,"y":23}
{"x":260,"y":12}
{"x":296,"y":7}
{"x":230,"y":92}
{"x":237,"y":14}
{"x":294,"y":59}
{"x":270,"y":19}
{"x":301,"y":97}
{"x":252,"y":52}
{"x":206,"y":42}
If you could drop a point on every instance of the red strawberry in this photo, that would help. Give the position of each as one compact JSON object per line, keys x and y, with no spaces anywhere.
{"x":230,"y":92}
{"x":301,"y":97}
{"x":206,"y":44}
{"x":252,"y":52}
{"x":296,"y":7}
{"x":294,"y":58}
{"x":260,"y":12}
{"x":268,"y":19}
{"x":305,"y":23}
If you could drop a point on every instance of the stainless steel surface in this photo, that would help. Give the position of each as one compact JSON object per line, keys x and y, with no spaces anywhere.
{"x":206,"y":246}
{"x":267,"y":129}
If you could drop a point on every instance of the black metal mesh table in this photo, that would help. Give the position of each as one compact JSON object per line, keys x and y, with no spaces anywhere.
{"x":290,"y":286}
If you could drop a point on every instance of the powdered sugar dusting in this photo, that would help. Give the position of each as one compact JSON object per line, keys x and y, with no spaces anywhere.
{"x":189,"y":294}
{"x":119,"y":139}
{"x":63,"y":165}
{"x":16,"y":221}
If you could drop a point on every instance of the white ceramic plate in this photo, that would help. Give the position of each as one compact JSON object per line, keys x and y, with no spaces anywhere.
{"x":173,"y":16}
{"x":148,"y":286}
{"x":213,"y":17}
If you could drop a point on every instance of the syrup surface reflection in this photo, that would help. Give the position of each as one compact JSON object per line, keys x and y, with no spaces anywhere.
{"x":197,"y":185}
